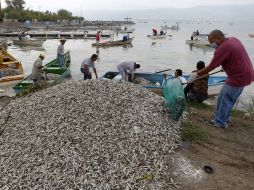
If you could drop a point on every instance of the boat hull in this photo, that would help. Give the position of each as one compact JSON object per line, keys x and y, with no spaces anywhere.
{"x":128,"y":31}
{"x":198,"y":42}
{"x":10,"y":62}
{"x":35,"y":43}
{"x":157,"y":37}
{"x":214,"y":83}
{"x":113,"y":43}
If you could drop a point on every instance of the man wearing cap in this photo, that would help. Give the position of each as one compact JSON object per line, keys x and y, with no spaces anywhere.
{"x":60,"y":53}
{"x":127,"y":67}
{"x":87,"y":64}
{"x":37,"y":71}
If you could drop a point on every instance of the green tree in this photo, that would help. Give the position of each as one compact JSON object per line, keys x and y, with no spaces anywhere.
{"x":15,"y":4}
{"x":64,"y":14}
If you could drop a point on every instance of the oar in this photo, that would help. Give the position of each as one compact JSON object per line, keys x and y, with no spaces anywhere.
{"x":206,"y":76}
{"x":163,"y":70}
{"x":210,"y":74}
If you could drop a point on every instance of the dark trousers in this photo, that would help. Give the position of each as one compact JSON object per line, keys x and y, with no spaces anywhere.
{"x":187,"y":89}
{"x":87,"y":75}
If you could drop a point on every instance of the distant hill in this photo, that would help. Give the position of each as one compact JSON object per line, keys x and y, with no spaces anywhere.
{"x":229,"y":12}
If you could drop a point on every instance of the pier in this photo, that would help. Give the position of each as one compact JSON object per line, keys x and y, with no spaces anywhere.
{"x":56,"y":35}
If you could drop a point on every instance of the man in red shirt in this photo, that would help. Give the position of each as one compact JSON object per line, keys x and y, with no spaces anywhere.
{"x":98,"y":37}
{"x":232,"y":56}
{"x":154,"y":32}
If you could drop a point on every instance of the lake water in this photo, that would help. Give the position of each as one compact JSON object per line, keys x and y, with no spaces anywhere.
{"x":153,"y":55}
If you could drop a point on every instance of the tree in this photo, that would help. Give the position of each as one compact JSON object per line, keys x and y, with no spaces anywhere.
{"x":64,"y":14}
{"x":15,"y":4}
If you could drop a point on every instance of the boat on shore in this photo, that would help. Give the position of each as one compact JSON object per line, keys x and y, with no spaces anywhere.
{"x":11,"y":69}
{"x":30,"y":42}
{"x":113,"y":43}
{"x":155,"y":81}
{"x":53,"y":68}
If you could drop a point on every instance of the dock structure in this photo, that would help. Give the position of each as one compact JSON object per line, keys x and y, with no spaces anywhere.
{"x":56,"y":35}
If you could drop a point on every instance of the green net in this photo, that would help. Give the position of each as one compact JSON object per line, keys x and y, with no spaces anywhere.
{"x":174,"y":95}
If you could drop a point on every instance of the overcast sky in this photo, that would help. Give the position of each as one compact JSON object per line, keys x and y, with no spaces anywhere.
{"x":78,"y":6}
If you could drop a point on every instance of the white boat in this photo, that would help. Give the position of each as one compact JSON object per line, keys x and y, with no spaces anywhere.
{"x":198,"y":42}
{"x":126,"y":31}
{"x":29,"y":42}
{"x":164,"y":36}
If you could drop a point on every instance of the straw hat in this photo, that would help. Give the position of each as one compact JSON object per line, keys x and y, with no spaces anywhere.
{"x":42,"y":55}
{"x":62,"y":40}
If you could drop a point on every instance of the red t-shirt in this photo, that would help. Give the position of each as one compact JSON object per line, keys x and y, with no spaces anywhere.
{"x":233,"y":58}
{"x":97,"y":37}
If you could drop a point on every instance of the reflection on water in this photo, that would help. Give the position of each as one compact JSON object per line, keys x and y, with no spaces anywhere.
{"x":203,"y":48}
{"x":28,"y":48}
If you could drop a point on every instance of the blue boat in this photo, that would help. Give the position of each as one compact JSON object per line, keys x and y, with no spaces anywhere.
{"x":157,"y":81}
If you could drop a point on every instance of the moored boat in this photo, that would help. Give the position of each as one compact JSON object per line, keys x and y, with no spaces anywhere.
{"x":11,"y":70}
{"x":113,"y":43}
{"x":52,"y":67}
{"x":155,"y":81}
{"x":163,"y":36}
{"x":30,"y":42}
{"x":251,"y":35}
{"x":128,"y":31}
{"x":198,"y":42}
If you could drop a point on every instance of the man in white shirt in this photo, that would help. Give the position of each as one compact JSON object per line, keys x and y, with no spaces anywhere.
{"x":37,"y":71}
{"x":127,"y":67}
{"x":86,"y":65}
{"x":178,"y":75}
{"x":60,"y":52}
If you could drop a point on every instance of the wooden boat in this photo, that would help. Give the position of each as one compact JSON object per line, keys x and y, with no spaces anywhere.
{"x":11,"y":69}
{"x":156,"y":81}
{"x":27,"y":84}
{"x":127,"y":31}
{"x":30,"y":42}
{"x":113,"y":43}
{"x":198,"y":42}
{"x":158,"y":36}
{"x":251,"y":35}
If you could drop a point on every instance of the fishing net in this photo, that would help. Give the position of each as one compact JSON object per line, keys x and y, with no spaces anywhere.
{"x":174,"y":96}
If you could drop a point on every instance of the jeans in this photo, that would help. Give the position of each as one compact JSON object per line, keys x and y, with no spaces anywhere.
{"x":60,"y":60}
{"x":226,"y":101}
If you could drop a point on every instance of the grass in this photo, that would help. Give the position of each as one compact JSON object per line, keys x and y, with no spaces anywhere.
{"x":199,"y":105}
{"x":237,"y":113}
{"x":195,"y":134}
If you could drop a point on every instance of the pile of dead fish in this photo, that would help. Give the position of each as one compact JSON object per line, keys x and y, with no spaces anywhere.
{"x":143,"y":82}
{"x":11,"y":72}
{"x":87,"y":135}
